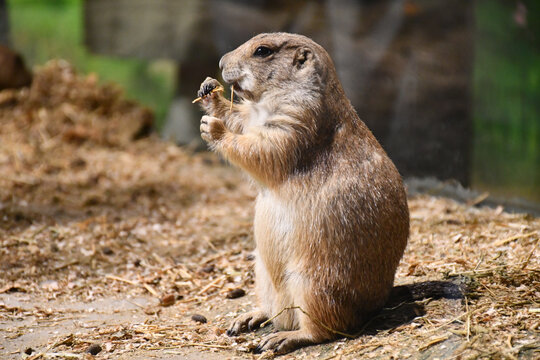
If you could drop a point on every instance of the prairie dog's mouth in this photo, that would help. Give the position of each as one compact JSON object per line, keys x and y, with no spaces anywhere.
{"x":237,"y":86}
{"x":242,"y":82}
{"x":238,"y":90}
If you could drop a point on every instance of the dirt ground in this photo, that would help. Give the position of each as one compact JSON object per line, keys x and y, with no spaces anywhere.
{"x":123,"y":243}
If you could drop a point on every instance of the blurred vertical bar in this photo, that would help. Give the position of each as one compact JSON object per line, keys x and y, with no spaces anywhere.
{"x":415,"y":92}
{"x":4,"y":24}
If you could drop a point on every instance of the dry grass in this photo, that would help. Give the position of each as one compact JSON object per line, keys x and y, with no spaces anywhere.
{"x":87,"y":212}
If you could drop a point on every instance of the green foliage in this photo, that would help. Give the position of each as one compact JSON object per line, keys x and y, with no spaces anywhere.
{"x":506,"y":102}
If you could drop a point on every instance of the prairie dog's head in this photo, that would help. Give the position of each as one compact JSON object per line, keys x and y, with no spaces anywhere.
{"x":276,"y":61}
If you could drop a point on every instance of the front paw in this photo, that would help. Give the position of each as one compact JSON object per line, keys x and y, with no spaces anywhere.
{"x":247,"y":322}
{"x":212,"y":129}
{"x":209,"y":88}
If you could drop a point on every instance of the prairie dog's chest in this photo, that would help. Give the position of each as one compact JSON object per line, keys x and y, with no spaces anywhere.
{"x":258,"y":115}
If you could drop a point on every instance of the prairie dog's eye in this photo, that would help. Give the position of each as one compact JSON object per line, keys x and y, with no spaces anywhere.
{"x":263,"y":51}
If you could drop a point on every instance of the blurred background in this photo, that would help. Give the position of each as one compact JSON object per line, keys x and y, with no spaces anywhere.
{"x":451,"y":88}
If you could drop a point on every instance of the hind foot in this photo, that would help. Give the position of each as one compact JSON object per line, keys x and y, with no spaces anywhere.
{"x":247,"y":322}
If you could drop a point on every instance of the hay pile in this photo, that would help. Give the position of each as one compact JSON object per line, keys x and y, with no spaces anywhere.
{"x":90,"y":210}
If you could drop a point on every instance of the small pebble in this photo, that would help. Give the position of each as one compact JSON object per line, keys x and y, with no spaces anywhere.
{"x":207,"y":161}
{"x":78,"y":163}
{"x":167,"y":300}
{"x":151,"y":311}
{"x":93,"y":349}
{"x":107,"y":250}
{"x":236,"y":293}
{"x":28,"y":351}
{"x":208,"y":268}
{"x":199,"y":318}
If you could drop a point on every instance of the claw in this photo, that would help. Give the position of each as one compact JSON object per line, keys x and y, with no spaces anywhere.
{"x":247,"y":322}
{"x":208,"y":87}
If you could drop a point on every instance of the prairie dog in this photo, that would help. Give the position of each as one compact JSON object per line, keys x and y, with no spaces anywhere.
{"x":331,"y":217}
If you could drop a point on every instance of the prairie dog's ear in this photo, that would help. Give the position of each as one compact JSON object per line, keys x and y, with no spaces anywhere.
{"x":302,"y":56}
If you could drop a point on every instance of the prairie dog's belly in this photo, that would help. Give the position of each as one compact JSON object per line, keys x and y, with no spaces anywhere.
{"x":275,"y":229}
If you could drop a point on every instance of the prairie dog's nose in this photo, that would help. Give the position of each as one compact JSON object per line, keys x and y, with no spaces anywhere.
{"x":222,"y":61}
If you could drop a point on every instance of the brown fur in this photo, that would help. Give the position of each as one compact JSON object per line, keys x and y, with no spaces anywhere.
{"x":331,"y":220}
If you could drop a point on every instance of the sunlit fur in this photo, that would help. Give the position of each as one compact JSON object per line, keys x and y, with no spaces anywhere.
{"x":331,"y":220}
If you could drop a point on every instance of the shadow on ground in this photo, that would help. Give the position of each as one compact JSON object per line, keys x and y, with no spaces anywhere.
{"x":406,"y":302}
